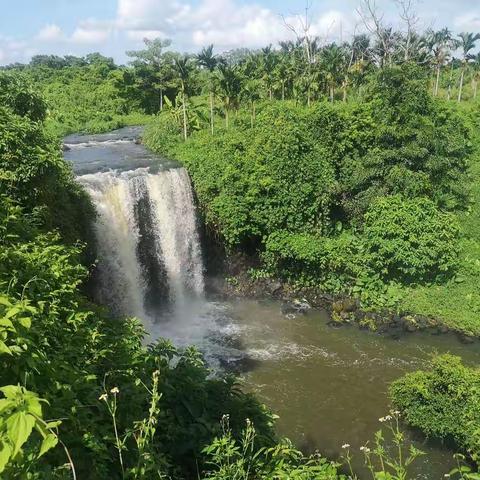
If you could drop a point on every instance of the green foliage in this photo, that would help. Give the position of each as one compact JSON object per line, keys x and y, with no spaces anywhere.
{"x":410,"y":239}
{"x":21,"y":414}
{"x":443,"y":402}
{"x":231,"y":459}
{"x":391,"y":456}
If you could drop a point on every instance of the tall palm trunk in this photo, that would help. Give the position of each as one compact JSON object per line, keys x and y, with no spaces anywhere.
{"x":437,"y":81}
{"x":226,"y":117}
{"x":460,"y":88}
{"x":344,"y":90}
{"x":449,"y":92}
{"x":283,"y":89}
{"x":161,"y":99}
{"x":184,"y":108}
{"x":211,"y":112}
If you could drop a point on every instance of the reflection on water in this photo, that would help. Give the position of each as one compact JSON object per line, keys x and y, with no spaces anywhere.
{"x":329,"y":386}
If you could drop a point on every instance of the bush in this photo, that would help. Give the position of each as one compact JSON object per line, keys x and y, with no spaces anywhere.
{"x":443,"y":402}
{"x":410,"y":239}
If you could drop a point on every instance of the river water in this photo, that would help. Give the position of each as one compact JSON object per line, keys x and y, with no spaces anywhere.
{"x":328,"y":385}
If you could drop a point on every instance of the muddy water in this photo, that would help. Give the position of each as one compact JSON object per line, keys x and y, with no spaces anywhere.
{"x":329,"y":386}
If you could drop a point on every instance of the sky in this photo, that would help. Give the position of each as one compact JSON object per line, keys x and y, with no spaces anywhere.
{"x":78,"y":27}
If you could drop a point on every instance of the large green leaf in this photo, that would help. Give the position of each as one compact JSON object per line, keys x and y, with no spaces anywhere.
{"x":5,"y":454}
{"x":19,"y":428}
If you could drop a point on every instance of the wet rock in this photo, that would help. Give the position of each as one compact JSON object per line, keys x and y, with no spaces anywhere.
{"x":337,"y":306}
{"x":66,"y":148}
{"x":466,"y":339}
{"x":138,"y":141}
{"x":409,"y":323}
{"x":350,"y":304}
{"x":442,"y":329}
{"x":273,"y":287}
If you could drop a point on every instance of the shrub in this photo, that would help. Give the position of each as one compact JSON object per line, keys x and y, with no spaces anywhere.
{"x":443,"y":402}
{"x":410,"y":239}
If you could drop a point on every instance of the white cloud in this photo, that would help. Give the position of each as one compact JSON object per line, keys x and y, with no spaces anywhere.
{"x":91,"y":32}
{"x":138,"y":35}
{"x":50,"y":33}
{"x":468,"y":22}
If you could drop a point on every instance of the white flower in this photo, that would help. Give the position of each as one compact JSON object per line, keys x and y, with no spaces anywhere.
{"x":365,"y":449}
{"x":385,"y":419}
{"x":104,"y":396}
{"x":115,"y":390}
{"x":346,"y":445}
{"x":446,"y":475}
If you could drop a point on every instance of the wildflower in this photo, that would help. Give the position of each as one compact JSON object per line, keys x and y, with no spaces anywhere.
{"x":103,"y":396}
{"x":346,"y":445}
{"x":115,"y":390}
{"x":447,"y":475}
{"x":385,"y":419}
{"x":365,"y":449}
{"x":396,"y":412}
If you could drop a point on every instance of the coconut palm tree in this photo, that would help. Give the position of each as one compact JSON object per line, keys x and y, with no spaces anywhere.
{"x":467,"y":44}
{"x":207,"y":59}
{"x":440,"y":42}
{"x":333,"y":63}
{"x":230,"y":86}
{"x":183,"y":67}
{"x":250,"y":93}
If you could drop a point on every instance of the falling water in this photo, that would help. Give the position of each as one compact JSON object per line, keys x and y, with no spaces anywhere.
{"x":148,"y":244}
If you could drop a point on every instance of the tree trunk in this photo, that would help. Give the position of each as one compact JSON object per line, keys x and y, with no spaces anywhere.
{"x":184,"y":108}
{"x":437,"y":81}
{"x":270,"y":93}
{"x":460,"y":88}
{"x":211,"y":111}
{"x":161,"y":99}
{"x":226,"y":118}
{"x":308,"y":96}
{"x":344,"y":90}
{"x":332,"y":93}
{"x":449,"y":92}
{"x":283,"y":89}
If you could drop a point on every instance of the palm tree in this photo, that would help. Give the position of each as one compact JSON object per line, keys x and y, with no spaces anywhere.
{"x":230,"y":84}
{"x":251,"y":95}
{"x":333,"y":62}
{"x":441,"y":42}
{"x":476,"y":74}
{"x":207,"y":60}
{"x":183,"y":68}
{"x":467,"y":44}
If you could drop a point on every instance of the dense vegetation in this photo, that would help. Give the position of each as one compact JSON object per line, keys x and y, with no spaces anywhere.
{"x":80,"y":392}
{"x":364,"y":198}
{"x":443,"y":402}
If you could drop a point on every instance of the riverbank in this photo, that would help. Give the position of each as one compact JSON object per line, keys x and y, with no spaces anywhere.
{"x":343,"y":310}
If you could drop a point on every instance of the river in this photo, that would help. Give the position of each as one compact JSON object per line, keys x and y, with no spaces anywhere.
{"x":328,"y":385}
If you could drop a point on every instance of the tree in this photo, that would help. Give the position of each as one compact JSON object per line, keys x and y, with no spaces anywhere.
{"x":440,"y":43}
{"x":467,"y":44}
{"x":230,"y":83}
{"x":153,"y":58}
{"x":183,"y":67}
{"x":207,"y":59}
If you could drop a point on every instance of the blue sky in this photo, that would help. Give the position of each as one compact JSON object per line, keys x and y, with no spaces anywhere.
{"x":29,"y":27}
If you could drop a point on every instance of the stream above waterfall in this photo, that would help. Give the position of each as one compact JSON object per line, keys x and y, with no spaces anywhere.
{"x":329,"y":386}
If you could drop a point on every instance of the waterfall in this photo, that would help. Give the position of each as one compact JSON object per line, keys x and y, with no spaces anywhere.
{"x":148,"y":246}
